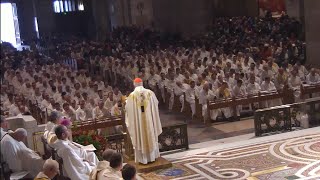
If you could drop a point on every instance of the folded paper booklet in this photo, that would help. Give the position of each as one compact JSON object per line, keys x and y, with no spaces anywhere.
{"x":89,"y":148}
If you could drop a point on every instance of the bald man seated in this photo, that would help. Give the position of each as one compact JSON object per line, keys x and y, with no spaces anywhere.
{"x":77,"y":163}
{"x":17,"y":155}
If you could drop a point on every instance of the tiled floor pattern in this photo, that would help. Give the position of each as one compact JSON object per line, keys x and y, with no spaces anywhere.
{"x":288,"y":157}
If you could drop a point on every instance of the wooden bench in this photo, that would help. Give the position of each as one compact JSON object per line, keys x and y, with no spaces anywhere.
{"x":280,"y":119}
{"x":286,"y":95}
{"x":306,"y":91}
{"x":94,"y":124}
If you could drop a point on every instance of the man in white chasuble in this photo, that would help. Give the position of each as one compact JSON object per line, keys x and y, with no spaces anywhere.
{"x":143,"y":123}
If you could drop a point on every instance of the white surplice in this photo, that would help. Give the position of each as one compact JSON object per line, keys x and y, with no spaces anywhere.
{"x":144,"y":127}
{"x":77,"y":163}
{"x":19,"y":157}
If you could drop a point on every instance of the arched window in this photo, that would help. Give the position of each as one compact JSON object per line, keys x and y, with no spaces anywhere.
{"x":62,"y":6}
{"x":56,"y":6}
{"x":80,"y":5}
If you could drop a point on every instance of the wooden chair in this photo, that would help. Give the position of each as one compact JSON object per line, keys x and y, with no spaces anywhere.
{"x":47,"y":148}
{"x":51,"y":152}
{"x":56,"y":157}
{"x":5,"y":170}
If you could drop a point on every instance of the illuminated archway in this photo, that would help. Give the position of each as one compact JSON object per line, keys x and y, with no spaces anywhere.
{"x":9,"y":24}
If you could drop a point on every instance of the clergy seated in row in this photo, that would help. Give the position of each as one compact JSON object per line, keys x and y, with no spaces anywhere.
{"x":239,"y":91}
{"x":101,"y":112}
{"x":206,"y":94}
{"x":253,"y":89}
{"x":221,"y":93}
{"x":295,"y":83}
{"x":191,"y":97}
{"x":109,"y":168}
{"x":17,"y":155}
{"x":267,"y":86}
{"x":49,"y":171}
{"x":313,"y":77}
{"x":77,"y":163}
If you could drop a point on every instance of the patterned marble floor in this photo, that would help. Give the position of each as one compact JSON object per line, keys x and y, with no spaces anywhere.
{"x":293,"y":155}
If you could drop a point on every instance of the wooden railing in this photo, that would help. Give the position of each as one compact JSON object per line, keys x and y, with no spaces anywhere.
{"x":174,"y":137}
{"x":306,"y":91}
{"x":282,"y":118}
{"x":286,"y":95}
{"x":176,"y":134}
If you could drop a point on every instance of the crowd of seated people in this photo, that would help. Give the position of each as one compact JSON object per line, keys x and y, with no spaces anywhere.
{"x":240,"y":56}
{"x":77,"y":163}
{"x":246,"y":54}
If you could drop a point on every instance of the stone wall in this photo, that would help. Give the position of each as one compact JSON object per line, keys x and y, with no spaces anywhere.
{"x":293,"y":8}
{"x":100,"y":18}
{"x":141,"y":12}
{"x":183,"y":16}
{"x":45,"y":16}
{"x":193,"y":17}
{"x":312,"y":26}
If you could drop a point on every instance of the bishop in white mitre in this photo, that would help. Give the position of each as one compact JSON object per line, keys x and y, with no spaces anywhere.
{"x":143,"y":123}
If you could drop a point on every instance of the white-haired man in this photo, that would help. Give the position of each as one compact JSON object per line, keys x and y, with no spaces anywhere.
{"x":49,"y":171}
{"x":17,"y":155}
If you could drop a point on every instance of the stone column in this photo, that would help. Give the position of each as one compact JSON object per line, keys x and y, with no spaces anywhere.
{"x":312,"y":26}
{"x":45,"y":16}
{"x":186,"y":16}
{"x":141,"y":12}
{"x":100,"y":12}
{"x":293,"y":8}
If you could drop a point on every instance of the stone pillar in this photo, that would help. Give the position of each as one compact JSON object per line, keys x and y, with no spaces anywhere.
{"x":186,"y":16}
{"x":312,"y":26}
{"x":141,"y":12}
{"x":119,"y":13}
{"x":100,"y":12}
{"x":25,"y":12}
{"x":45,"y":16}
{"x":293,"y":8}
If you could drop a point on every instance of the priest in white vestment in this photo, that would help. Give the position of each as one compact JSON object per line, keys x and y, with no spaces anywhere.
{"x":143,"y":123}
{"x":17,"y":155}
{"x":77,"y":163}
